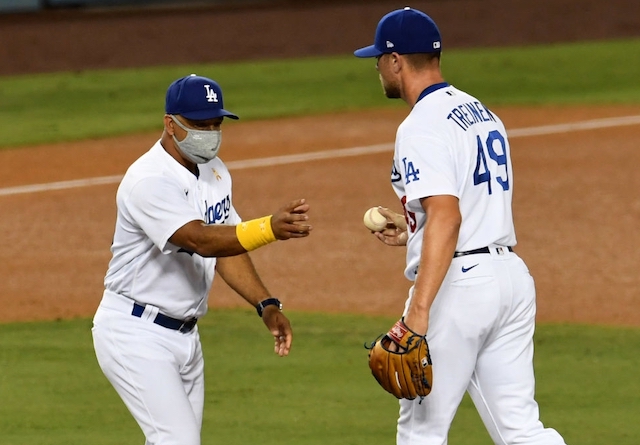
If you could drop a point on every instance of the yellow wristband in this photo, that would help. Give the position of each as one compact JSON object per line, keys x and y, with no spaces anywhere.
{"x":255,"y":233}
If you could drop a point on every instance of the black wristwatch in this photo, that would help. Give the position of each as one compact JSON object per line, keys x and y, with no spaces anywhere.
{"x":268,"y":302}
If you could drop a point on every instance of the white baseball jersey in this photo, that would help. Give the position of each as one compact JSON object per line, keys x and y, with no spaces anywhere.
{"x":156,"y":197}
{"x":451,"y":144}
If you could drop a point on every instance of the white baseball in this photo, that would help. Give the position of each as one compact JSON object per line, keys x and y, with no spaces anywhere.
{"x":374,"y":220}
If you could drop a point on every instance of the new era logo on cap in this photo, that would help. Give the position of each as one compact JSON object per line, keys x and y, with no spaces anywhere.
{"x":405,"y":31}
{"x":197,"y":98}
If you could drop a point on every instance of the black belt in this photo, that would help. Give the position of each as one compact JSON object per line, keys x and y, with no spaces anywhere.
{"x":165,"y":321}
{"x":480,"y":250}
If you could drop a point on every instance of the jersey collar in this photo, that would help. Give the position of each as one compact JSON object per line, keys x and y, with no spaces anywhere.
{"x":431,"y":89}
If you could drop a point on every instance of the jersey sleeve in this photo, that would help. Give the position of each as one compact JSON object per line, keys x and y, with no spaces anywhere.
{"x":427,"y":169}
{"x":159,"y":207}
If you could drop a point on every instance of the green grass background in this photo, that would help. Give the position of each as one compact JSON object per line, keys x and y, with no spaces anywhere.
{"x":54,"y":107}
{"x":52,"y":391}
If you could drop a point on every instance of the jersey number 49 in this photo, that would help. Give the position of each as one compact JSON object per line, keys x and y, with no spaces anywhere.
{"x":482,"y":172}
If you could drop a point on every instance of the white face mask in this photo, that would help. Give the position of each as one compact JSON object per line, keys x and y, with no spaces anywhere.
{"x":200,"y":146}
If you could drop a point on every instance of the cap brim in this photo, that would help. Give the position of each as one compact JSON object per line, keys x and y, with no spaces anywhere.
{"x":230,"y":115}
{"x":368,"y":51}
{"x":203,"y":115}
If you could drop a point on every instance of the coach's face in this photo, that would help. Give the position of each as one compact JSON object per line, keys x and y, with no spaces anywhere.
{"x":390,"y":85}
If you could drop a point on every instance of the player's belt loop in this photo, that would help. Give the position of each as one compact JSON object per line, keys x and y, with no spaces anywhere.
{"x":165,"y":321}
{"x":476,"y":251}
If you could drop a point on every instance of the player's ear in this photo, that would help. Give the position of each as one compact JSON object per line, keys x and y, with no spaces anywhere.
{"x":396,"y":62}
{"x":168,"y":124}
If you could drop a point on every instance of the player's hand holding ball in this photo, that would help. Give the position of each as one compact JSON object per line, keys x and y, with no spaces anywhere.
{"x":374,"y":220}
{"x":388,"y":226}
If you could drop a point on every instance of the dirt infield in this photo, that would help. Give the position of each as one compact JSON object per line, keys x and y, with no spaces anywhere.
{"x":576,"y":200}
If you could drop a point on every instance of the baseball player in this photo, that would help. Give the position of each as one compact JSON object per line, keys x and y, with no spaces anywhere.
{"x":176,"y":226}
{"x":471,"y":295}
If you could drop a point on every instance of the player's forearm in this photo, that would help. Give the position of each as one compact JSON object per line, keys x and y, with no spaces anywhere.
{"x":241,"y":276}
{"x":438,"y":246}
{"x":290,"y":221}
{"x":437,"y":252}
{"x":208,"y":240}
{"x":435,"y":262}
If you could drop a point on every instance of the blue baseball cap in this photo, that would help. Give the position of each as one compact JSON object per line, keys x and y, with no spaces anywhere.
{"x":197,"y":98}
{"x":404,"y":31}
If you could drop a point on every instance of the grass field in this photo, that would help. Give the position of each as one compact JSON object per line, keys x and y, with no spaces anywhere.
{"x":53,"y":393}
{"x":47,"y":108}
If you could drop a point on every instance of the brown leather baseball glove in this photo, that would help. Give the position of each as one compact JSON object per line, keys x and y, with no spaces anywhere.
{"x":404,"y":370}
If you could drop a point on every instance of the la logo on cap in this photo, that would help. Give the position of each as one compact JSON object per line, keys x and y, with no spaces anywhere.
{"x":390,"y":44}
{"x":211,"y":96}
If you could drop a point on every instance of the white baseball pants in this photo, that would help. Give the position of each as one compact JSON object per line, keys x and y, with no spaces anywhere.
{"x":158,"y":372}
{"x":480,"y":336}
